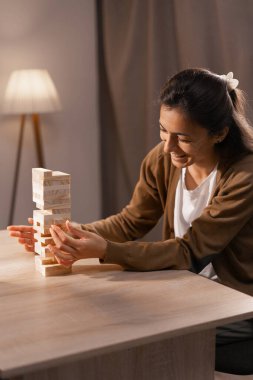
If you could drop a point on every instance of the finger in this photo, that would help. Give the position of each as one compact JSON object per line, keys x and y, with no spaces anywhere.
{"x":67,"y":229}
{"x":64,"y":238}
{"x":21,"y":234}
{"x":79,"y":232}
{"x":61,"y":255}
{"x":65,"y":263}
{"x":73,"y":225}
{"x":29,"y":248}
{"x":20,"y":228}
{"x":30,"y":220}
{"x":15,"y":233}
{"x":60,"y":239}
{"x":25,"y":241}
{"x":65,"y":257}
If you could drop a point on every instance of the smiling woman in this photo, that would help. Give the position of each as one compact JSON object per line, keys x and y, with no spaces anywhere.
{"x":200,"y":178}
{"x":189,"y":144}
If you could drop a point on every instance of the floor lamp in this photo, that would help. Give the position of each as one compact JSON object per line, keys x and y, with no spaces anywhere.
{"x":28,"y":94}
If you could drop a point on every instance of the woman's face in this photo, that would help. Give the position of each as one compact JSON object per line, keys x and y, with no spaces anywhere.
{"x":186,"y":142}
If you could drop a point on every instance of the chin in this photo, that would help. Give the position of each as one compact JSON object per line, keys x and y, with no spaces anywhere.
{"x":180,"y":164}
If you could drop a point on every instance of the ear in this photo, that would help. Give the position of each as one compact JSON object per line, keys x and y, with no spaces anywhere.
{"x":221,"y":135}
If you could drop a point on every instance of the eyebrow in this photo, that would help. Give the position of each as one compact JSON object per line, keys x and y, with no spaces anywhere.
{"x":175,"y":133}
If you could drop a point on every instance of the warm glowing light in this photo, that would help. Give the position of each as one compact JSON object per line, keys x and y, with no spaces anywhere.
{"x":30,"y":92}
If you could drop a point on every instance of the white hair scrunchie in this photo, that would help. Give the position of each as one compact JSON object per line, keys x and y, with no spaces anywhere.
{"x":232,"y":83}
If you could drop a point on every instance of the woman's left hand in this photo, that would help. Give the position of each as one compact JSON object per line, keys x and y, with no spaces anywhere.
{"x":80,"y":245}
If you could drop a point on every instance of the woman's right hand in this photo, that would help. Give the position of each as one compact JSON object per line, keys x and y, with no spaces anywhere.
{"x":25,"y":235}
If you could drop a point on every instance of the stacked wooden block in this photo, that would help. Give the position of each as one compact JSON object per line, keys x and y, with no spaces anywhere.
{"x":51,"y":192}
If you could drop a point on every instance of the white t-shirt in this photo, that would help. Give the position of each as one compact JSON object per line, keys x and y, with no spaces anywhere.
{"x":189,"y":205}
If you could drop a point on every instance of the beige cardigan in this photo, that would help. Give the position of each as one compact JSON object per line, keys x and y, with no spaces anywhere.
{"x":223,"y":234}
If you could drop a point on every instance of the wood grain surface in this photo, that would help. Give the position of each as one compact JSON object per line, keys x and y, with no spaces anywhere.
{"x":100,"y":309}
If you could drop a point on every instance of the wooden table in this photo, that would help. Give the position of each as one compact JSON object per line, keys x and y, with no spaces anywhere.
{"x":104,"y":323}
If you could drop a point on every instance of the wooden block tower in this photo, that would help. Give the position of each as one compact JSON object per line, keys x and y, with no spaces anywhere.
{"x":51,"y":192}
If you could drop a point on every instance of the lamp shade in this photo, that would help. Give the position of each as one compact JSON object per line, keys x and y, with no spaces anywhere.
{"x":30,"y":92}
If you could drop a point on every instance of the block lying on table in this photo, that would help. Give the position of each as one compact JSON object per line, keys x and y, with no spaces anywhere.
{"x":50,"y":269}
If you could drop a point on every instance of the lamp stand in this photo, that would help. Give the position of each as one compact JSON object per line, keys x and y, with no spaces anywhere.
{"x":39,"y":152}
{"x":38,"y":141}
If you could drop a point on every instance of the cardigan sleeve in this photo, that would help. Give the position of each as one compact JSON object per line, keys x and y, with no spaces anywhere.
{"x":144,"y":209}
{"x":220,"y":223}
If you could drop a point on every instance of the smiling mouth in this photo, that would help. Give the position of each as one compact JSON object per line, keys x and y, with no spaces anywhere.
{"x":173,"y":155}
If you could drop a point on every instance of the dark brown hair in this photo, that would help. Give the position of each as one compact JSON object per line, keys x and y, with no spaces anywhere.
{"x":205,"y":99}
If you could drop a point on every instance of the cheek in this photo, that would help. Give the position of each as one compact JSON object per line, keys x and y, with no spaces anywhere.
{"x":187,"y":148}
{"x":204,"y":146}
{"x":201,"y":149}
{"x":192,"y":150}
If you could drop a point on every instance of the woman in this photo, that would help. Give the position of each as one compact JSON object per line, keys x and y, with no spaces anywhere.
{"x":200,"y":178}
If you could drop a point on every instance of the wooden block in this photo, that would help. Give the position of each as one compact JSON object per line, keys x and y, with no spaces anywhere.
{"x":43,"y":251}
{"x":51,"y":195}
{"x":49,"y":205}
{"x":44,"y":240}
{"x":41,"y":173}
{"x":51,"y":189}
{"x":43,"y":217}
{"x":60,"y":219}
{"x":48,"y":260}
{"x":49,"y":184}
{"x":57,"y":175}
{"x":50,"y":269}
{"x":46,"y":218}
{"x":61,"y":211}
{"x":46,"y":253}
{"x":42,"y":230}
{"x":41,"y":188}
{"x":37,"y":248}
{"x":53,"y":182}
{"x":43,"y":192}
{"x":59,"y":198}
{"x":38,"y":186}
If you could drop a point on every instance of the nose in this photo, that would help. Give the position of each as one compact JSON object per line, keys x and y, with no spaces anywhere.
{"x":169,"y":144}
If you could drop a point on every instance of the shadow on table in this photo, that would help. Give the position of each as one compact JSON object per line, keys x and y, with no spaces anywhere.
{"x":115,"y":272}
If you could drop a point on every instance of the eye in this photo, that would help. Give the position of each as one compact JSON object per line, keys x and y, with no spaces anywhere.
{"x":163,"y":130}
{"x":162,"y":134}
{"x":183,"y":140}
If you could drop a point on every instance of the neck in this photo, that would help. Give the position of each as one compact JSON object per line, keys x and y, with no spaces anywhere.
{"x":195,"y":174}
